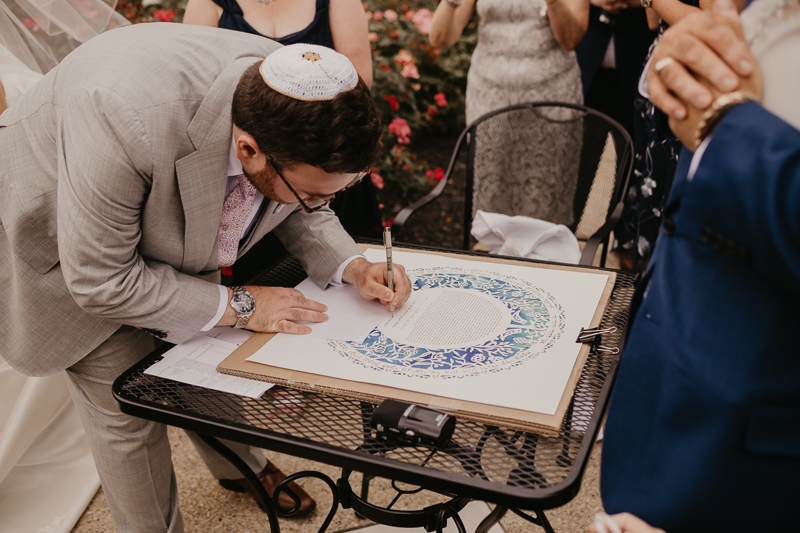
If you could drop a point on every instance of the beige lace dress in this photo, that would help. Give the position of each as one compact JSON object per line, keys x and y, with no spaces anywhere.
{"x":518,"y":60}
{"x":523,"y":165}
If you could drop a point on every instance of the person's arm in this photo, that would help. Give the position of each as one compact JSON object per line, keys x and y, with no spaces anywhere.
{"x":449,"y":22}
{"x":671,"y":11}
{"x":202,"y":13}
{"x":105,"y":168}
{"x":351,"y":35}
{"x":569,"y":20}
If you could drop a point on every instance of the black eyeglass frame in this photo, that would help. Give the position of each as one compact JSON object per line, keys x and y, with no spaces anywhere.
{"x":325,"y":201}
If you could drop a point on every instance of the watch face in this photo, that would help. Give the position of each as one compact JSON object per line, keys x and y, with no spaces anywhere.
{"x":243,"y":302}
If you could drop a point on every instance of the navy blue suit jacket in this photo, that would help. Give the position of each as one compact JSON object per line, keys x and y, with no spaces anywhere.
{"x":703,"y":429}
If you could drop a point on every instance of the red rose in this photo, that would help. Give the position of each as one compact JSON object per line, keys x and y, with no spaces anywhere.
{"x":164,"y":16}
{"x":393,"y":105}
{"x":436,"y":174}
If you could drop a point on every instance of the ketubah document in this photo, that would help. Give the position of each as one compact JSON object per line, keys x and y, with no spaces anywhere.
{"x":488,"y":332}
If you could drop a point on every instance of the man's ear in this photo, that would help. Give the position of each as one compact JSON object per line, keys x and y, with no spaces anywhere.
{"x":247,"y":149}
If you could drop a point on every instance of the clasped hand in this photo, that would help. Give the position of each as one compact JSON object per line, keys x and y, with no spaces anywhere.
{"x":702,"y":57}
{"x":279,"y":309}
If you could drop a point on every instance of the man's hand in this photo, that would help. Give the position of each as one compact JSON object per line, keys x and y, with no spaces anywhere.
{"x":706,"y":47}
{"x":277,"y":310}
{"x":371,"y":280}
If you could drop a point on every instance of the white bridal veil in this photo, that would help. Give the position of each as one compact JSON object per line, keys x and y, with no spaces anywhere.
{"x":35,"y":35}
{"x":47,"y":475}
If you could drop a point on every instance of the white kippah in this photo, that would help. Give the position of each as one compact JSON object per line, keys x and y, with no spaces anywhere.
{"x":308,"y":72}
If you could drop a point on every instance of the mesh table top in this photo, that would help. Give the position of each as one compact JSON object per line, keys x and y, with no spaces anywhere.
{"x":516,"y":469}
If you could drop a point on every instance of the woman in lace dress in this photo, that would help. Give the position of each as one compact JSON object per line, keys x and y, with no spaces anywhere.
{"x":524,"y":54}
{"x":524,"y":51}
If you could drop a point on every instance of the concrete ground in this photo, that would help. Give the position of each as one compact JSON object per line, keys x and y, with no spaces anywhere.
{"x":207,"y":507}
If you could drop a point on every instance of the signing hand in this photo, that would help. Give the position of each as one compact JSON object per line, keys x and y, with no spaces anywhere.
{"x":372,"y":279}
{"x":623,"y":522}
{"x":277,"y":310}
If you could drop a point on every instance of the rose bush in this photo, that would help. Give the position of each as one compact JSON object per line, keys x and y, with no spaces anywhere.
{"x":418,"y":89}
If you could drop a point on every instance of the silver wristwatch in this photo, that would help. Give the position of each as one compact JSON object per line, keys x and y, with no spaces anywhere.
{"x":244,"y":304}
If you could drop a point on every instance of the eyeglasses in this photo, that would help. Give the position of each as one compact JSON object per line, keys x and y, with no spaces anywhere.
{"x":313,"y":202}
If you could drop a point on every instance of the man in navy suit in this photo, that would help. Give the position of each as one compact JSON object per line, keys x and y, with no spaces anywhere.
{"x":703,"y":430}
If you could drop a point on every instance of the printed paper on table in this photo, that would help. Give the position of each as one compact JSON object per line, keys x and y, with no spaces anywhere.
{"x":489,"y":339}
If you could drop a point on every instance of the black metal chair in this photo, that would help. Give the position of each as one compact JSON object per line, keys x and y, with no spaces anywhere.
{"x":553,"y":161}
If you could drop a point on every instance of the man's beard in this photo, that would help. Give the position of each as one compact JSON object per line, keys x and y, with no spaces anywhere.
{"x":264,"y":181}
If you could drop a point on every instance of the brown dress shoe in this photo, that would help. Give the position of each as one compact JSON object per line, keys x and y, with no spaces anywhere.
{"x":270,"y":477}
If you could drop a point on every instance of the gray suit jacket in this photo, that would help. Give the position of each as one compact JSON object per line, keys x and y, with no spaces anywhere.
{"x":112,"y":180}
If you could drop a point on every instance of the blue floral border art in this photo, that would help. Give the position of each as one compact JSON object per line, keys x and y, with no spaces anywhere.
{"x":537,"y":322}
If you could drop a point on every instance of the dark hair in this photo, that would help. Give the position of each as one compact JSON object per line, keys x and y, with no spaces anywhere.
{"x":339,"y":135}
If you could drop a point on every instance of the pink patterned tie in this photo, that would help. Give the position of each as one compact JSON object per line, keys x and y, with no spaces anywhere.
{"x":235,"y":211}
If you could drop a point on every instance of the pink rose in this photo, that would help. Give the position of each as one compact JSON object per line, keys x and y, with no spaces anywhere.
{"x":390,"y":15}
{"x":377,"y":180}
{"x":373,"y":37}
{"x":409,"y":15}
{"x":368,"y":15}
{"x":410,"y":71}
{"x":400,"y":127}
{"x":164,"y":16}
{"x":441,"y":99}
{"x":423,"y":20}
{"x":404,"y":57}
{"x":377,"y":16}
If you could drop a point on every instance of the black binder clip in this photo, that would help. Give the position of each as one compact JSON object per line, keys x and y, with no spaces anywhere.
{"x":593,"y":335}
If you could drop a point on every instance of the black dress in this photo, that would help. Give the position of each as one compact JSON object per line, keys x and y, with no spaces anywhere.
{"x":357,"y":208}
{"x":656,"y":151}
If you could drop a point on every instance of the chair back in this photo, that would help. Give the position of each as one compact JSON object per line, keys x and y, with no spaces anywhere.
{"x":558,"y":162}
{"x":553,"y":161}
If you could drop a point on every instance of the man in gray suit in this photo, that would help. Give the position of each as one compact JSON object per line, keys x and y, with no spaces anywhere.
{"x":116,"y":176}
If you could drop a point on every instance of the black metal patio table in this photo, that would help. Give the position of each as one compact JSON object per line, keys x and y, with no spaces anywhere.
{"x":516,"y":470}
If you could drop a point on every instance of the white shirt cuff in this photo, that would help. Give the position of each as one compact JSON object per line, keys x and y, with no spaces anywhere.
{"x":643,"y":80}
{"x":698,"y":155}
{"x":223,"y":304}
{"x":336,"y":280}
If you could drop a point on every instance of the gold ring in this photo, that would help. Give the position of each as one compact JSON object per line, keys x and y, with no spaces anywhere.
{"x":661,"y":64}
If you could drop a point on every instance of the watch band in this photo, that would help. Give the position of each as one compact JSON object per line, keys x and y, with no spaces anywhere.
{"x":243,"y":318}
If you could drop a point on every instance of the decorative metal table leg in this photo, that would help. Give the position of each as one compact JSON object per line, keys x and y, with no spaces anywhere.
{"x":540,"y":519}
{"x":441,"y":519}
{"x":269,"y":504}
{"x":491,"y":519}
{"x":283,"y":485}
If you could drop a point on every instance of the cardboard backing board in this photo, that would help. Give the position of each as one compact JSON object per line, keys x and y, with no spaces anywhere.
{"x":236,"y":364}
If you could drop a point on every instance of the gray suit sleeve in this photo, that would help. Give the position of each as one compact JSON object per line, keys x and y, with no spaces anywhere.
{"x":104,"y":178}
{"x":319,"y":241}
